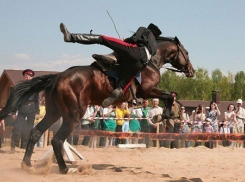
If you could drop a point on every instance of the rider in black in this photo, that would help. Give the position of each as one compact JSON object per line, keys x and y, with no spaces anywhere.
{"x":134,"y":52}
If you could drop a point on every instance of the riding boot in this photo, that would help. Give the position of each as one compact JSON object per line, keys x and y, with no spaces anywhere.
{"x":116,"y":94}
{"x":80,"y":38}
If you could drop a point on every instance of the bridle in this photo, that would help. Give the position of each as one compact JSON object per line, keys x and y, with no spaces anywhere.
{"x":172,"y":60}
{"x":187,"y":61}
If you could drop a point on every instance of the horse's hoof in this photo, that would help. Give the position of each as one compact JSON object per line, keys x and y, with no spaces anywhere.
{"x":27,"y":167}
{"x":64,"y":171}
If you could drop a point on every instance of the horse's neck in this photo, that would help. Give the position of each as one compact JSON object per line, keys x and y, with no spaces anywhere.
{"x":164,"y":52}
{"x":159,"y":59}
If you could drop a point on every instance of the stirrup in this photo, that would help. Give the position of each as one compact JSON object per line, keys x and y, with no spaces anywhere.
{"x":116,"y":94}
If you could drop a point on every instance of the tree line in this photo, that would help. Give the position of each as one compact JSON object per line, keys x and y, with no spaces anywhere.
{"x":231,"y":87}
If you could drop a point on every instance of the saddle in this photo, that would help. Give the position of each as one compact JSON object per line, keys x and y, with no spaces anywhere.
{"x":108,"y":64}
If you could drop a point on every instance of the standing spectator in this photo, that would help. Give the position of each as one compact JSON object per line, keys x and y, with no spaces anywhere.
{"x":96,"y":125}
{"x":199,"y":118}
{"x":110,"y":123}
{"x":145,"y":126}
{"x":120,"y":114}
{"x":2,"y":129}
{"x":240,"y":116}
{"x":230,"y":116}
{"x":208,"y":129}
{"x":134,"y":124}
{"x":185,"y":125}
{"x":9,"y":119}
{"x":38,"y":118}
{"x":85,"y":123}
{"x":212,"y":114}
{"x":177,"y":123}
{"x":28,"y":110}
{"x":135,"y":112}
{"x":226,"y":130}
{"x":154,"y":111}
{"x":74,"y":136}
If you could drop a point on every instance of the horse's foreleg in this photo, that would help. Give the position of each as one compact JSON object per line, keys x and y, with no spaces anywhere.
{"x":35,"y":134}
{"x":58,"y":141}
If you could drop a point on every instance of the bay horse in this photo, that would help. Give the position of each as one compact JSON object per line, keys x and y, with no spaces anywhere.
{"x":68,"y":93}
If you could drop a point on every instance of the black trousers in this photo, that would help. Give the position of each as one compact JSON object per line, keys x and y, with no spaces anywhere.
{"x":19,"y":128}
{"x":130,"y":56}
{"x":118,"y":140}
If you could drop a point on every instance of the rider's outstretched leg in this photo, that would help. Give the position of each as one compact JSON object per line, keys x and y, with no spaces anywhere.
{"x":80,"y":38}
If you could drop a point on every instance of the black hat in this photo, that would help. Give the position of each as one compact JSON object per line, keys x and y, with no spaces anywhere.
{"x":155,"y":30}
{"x":28,"y":72}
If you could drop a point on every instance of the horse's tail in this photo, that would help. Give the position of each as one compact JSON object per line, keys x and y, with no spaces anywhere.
{"x":23,"y":91}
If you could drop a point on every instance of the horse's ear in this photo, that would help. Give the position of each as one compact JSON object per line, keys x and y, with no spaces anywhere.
{"x":176,"y":39}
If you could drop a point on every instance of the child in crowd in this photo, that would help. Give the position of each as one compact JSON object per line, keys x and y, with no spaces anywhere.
{"x":208,"y":127}
{"x":226,"y":130}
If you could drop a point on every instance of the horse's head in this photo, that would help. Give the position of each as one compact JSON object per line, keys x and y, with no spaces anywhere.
{"x":173,"y":52}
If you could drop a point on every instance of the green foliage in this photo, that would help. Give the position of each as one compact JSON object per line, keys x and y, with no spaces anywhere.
{"x":200,"y":87}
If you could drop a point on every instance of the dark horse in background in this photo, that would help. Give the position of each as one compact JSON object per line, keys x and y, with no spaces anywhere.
{"x":69,"y":93}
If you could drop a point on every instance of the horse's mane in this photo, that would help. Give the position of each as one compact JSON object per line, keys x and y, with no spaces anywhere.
{"x":168,"y":39}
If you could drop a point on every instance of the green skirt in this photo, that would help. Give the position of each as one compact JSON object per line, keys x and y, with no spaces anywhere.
{"x":110,"y":125}
{"x":134,"y":125}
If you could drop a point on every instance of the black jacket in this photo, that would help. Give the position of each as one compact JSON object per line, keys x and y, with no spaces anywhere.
{"x":144,"y":36}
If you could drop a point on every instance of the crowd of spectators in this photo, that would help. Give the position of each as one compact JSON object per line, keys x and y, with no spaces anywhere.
{"x":130,"y":117}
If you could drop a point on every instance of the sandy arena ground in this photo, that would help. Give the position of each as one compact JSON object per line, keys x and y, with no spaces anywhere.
{"x":142,"y":164}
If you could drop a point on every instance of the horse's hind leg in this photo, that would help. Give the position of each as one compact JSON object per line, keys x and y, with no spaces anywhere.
{"x":36,"y":133}
{"x":58,"y":140}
